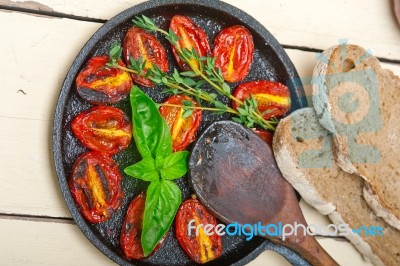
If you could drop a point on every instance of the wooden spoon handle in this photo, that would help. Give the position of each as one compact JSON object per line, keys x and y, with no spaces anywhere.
{"x":304,"y":244}
{"x":308,"y":247}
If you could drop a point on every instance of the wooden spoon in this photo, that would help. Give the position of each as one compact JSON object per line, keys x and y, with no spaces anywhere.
{"x":235,"y":176}
{"x":397,"y":10}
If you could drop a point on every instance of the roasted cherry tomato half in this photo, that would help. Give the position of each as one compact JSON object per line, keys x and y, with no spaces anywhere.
{"x":183,"y":129}
{"x":95,"y":185}
{"x":138,"y":44}
{"x":99,"y":84}
{"x":233,"y":50}
{"x":131,"y":231}
{"x":265,"y":135}
{"x":191,"y":37}
{"x":103,"y":128}
{"x":273,"y":98}
{"x":200,"y":247}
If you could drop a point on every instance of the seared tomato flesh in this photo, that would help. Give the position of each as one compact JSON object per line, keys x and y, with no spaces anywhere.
{"x":183,"y":129}
{"x":138,"y":44}
{"x":233,"y":50}
{"x":273,"y":98}
{"x":200,"y":247}
{"x":103,"y":128}
{"x":265,"y":135}
{"x":95,"y":185}
{"x":99,"y":84}
{"x":130,"y":239}
{"x":191,"y":37}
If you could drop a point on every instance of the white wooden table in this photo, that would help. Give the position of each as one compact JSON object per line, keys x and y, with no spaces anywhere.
{"x":38,"y":42}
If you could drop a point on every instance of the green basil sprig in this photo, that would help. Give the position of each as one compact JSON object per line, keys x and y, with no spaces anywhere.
{"x":159,"y":165}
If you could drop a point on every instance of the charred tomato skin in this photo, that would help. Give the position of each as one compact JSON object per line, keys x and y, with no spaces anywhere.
{"x":273,"y":98}
{"x":233,"y":50}
{"x":191,"y":37}
{"x":95,"y":185}
{"x":201,"y":248}
{"x":130,"y":239}
{"x":265,"y":135}
{"x":138,"y":43}
{"x":103,"y":128}
{"x":99,"y":84}
{"x":183,"y":130}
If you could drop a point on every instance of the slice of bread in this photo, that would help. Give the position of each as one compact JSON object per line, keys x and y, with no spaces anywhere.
{"x":303,"y":151}
{"x":357,"y":101}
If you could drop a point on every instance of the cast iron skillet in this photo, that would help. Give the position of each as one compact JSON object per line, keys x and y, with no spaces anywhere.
{"x":270,"y":62}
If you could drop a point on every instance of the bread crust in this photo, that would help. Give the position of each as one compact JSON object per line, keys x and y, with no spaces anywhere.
{"x":384,"y":201}
{"x":373,"y":201}
{"x":330,"y":190}
{"x":358,"y":242}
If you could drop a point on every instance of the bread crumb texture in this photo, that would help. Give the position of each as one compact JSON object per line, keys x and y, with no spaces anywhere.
{"x":357,"y":101}
{"x":303,"y":150}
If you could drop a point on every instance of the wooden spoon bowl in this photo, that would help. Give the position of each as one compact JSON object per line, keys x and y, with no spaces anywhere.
{"x":234,"y":174}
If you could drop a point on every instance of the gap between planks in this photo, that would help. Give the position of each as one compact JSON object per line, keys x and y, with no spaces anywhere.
{"x":48,"y":12}
{"x":64,"y":220}
{"x":36,"y":218}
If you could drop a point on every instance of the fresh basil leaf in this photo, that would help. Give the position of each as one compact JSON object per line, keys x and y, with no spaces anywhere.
{"x":164,"y":145}
{"x":159,"y":162}
{"x":150,"y":131}
{"x":145,"y":170}
{"x":175,"y":165}
{"x":162,"y":202}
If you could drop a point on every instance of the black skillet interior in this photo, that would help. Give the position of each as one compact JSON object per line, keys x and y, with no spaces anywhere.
{"x":270,"y":62}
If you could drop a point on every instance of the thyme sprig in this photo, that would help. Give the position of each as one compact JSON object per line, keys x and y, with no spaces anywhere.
{"x":211,"y":74}
{"x":183,"y":83}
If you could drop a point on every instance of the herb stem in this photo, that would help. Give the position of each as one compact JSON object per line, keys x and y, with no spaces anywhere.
{"x":126,"y":69}
{"x":201,"y":74}
{"x":189,"y":90}
{"x":162,"y":31}
{"x":249,"y":115}
{"x":199,"y":108}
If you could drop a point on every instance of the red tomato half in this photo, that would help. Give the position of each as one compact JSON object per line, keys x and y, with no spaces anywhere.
{"x":183,"y":130}
{"x":265,"y":135}
{"x":200,"y":247}
{"x":99,"y":84}
{"x":139,"y":43}
{"x":103,"y":128}
{"x":95,"y":185}
{"x":191,"y":37}
{"x":273,"y":98}
{"x":233,"y":50}
{"x":131,"y":231}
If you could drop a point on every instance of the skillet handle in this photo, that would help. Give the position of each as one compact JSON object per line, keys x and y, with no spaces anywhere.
{"x":306,"y":245}
{"x":309,"y":249}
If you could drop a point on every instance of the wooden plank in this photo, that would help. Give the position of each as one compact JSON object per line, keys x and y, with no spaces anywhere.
{"x":38,"y":67}
{"x":341,"y":250}
{"x":47,"y":244}
{"x":29,"y":183}
{"x":308,"y":23}
{"x":36,"y":61}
